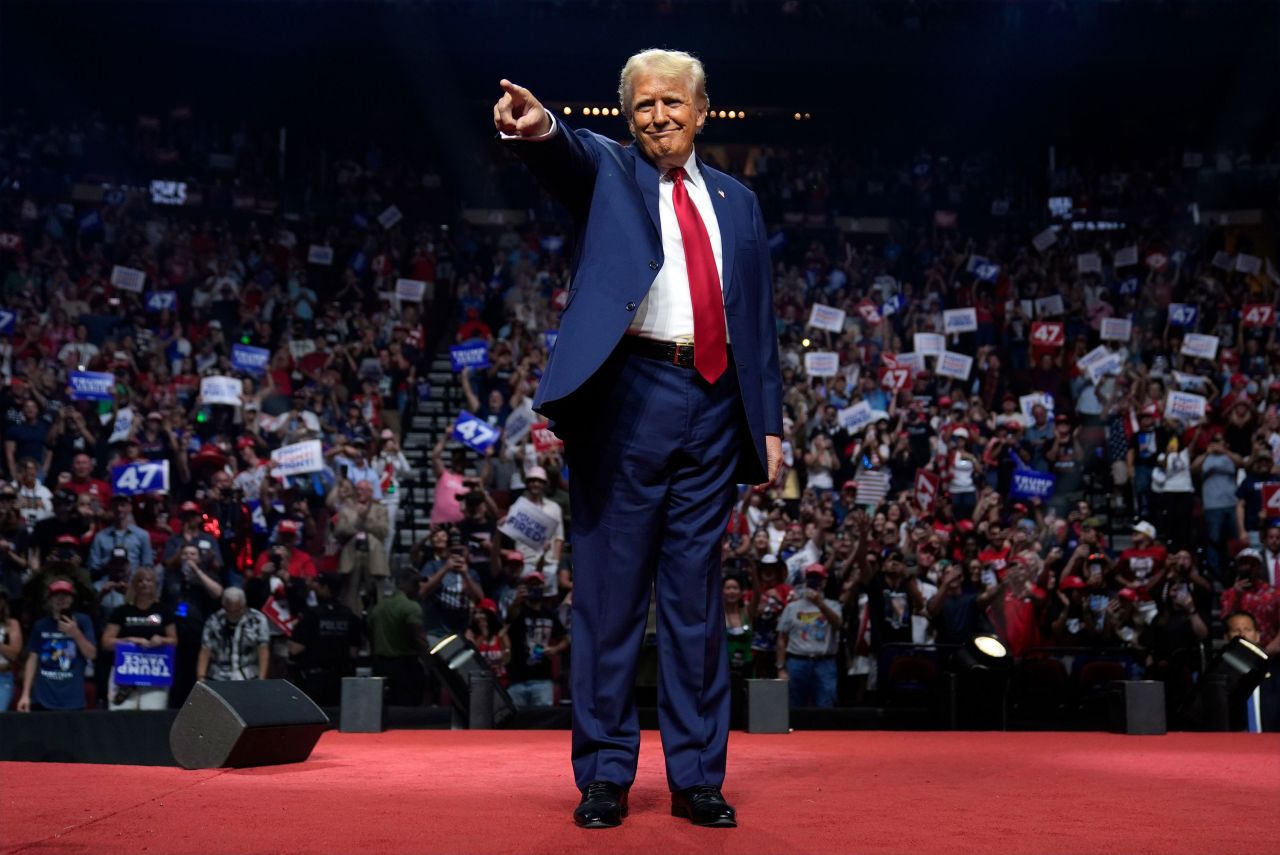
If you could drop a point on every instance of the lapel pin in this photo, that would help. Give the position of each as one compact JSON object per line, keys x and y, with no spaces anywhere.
{"x":721,"y":192}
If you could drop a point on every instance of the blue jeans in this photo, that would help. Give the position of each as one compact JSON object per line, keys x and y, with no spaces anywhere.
{"x":812,"y":682}
{"x":532,"y":693}
{"x":1220,"y":525}
{"x":6,"y":690}
{"x":1142,"y":491}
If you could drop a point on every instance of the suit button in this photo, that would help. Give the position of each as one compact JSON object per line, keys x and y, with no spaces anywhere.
{"x":631,"y":307}
{"x":653,"y":265}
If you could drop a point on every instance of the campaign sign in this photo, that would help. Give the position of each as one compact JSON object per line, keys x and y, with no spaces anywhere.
{"x":549,"y":338}
{"x":519,"y":422}
{"x":1188,"y":381}
{"x":1100,"y":362}
{"x":896,"y":379}
{"x":8,"y":318}
{"x":1222,"y":260}
{"x":143,"y":666}
{"x":1030,"y":484}
{"x":528,"y":524}
{"x":1116,"y":329}
{"x":91,"y":385}
{"x":1200,"y":346}
{"x":218,"y":389}
{"x":960,"y":320}
{"x":388,"y":218}
{"x":893,"y":305}
{"x":975,"y":262}
{"x":1028,"y":402}
{"x":160,"y":301}
{"x":928,"y":344}
{"x":300,"y":347}
{"x":1126,"y":257}
{"x":913,"y":362}
{"x":474,"y":355}
{"x":1258,"y":315}
{"x":1049,"y":307}
{"x":826,"y":318}
{"x":250,"y":360}
{"x":1271,"y":500}
{"x":1045,"y":239}
{"x":1048,"y":334}
{"x":1089,"y":262}
{"x":317,"y":254}
{"x":1187,"y":406}
{"x":821,"y":364}
{"x":410,"y":290}
{"x":299,"y":458}
{"x":856,"y":417}
{"x":988,"y":272}
{"x":474,"y":432}
{"x":128,"y":279}
{"x":544,"y":439}
{"x":133,"y":479}
{"x":926,"y":491}
{"x":1157,"y":261}
{"x":1183,"y":314}
{"x":955,"y":365}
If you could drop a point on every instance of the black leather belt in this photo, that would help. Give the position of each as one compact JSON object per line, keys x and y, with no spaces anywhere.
{"x":664,"y":351}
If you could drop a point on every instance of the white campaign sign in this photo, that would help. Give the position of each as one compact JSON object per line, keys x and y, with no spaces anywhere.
{"x":1185,"y":405}
{"x":1126,"y":256}
{"x":1116,"y":329}
{"x":1112,"y":363}
{"x":1089,"y":262}
{"x":410,"y":290}
{"x":1200,"y":345}
{"x":1248,"y":263}
{"x":299,"y":458}
{"x":1049,"y":307}
{"x":856,"y":417}
{"x":317,"y":254}
{"x":528,"y":524}
{"x":955,"y":365}
{"x":911,"y":361}
{"x":929,"y":344}
{"x":300,"y":347}
{"x":390,"y":217}
{"x":221,"y":390}
{"x":1027,"y":402}
{"x":1093,"y":357}
{"x":960,"y":320}
{"x":124,"y":421}
{"x":821,"y":364}
{"x":826,"y":318}
{"x":1045,"y":239}
{"x":128,"y":279}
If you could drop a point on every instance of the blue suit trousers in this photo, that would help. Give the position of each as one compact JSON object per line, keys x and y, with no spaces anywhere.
{"x":651,"y":453}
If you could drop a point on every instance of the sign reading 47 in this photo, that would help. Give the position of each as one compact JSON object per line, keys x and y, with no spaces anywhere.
{"x":149,"y":476}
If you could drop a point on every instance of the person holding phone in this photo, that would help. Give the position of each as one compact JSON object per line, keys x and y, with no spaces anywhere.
{"x":61,"y":643}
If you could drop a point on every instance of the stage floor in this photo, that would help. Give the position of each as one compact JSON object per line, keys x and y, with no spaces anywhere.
{"x":816,"y":791}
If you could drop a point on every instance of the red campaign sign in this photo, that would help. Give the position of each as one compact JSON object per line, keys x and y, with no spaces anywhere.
{"x":926,"y":491}
{"x":1259,"y":315}
{"x":892,"y":377}
{"x":1047,"y":334}
{"x":869,"y":312}
{"x":543,"y":439}
{"x":1271,"y":500}
{"x":559,"y":298}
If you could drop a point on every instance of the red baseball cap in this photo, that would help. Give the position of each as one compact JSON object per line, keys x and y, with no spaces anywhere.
{"x":515,"y":556}
{"x":189,"y":508}
{"x":487,"y":605}
{"x":245,"y":442}
{"x":534,"y":576}
{"x":61,"y":586}
{"x":1071,"y":583}
{"x":67,"y":539}
{"x":815,"y":569}
{"x":1128,"y":594}
{"x":289,"y":527}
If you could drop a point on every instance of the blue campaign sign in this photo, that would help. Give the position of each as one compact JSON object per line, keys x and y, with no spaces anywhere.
{"x":1183,"y":314}
{"x":91,"y":385}
{"x":143,"y":666}
{"x":249,"y":359}
{"x":91,"y":222}
{"x":551,"y":337}
{"x":471,"y":355}
{"x":8,"y":318}
{"x":159,"y":301}
{"x":474,"y":432}
{"x":1030,"y":484}
{"x":132,"y":479}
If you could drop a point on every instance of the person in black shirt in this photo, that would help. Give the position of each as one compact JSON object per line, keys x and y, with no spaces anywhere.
{"x":63,"y":522}
{"x":324,"y":643}
{"x":536,"y":634}
{"x":194,"y":595}
{"x":144,"y":622}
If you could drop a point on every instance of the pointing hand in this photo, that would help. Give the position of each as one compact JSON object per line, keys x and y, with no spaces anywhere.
{"x":518,"y":113}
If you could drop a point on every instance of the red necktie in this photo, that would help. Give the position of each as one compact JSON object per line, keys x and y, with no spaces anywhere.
{"x":709,"y":348}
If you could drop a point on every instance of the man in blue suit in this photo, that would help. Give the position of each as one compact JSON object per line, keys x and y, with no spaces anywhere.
{"x":664,"y":386}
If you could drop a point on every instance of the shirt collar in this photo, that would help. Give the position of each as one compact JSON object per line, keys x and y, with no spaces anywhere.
{"x":690,"y":169}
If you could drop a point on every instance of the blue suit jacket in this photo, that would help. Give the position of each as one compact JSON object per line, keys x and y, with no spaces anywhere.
{"x":612,"y":193}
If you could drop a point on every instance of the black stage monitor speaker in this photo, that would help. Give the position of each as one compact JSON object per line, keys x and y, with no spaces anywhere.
{"x":245,"y":723}
{"x":1137,"y":708}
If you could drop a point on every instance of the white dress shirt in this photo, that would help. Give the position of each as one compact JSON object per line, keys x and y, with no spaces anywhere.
{"x":666,"y":313}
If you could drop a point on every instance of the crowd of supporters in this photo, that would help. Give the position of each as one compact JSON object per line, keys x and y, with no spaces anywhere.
{"x":1030,"y":468}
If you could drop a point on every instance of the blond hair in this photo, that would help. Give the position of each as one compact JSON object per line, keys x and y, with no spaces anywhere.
{"x":131,"y":592}
{"x":665,"y":64}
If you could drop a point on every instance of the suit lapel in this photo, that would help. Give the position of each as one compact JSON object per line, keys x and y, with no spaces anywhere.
{"x":647,"y":178}
{"x":724,"y":219}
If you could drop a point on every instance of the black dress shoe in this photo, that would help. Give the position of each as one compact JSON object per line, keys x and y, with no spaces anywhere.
{"x":603,"y":805}
{"x":704,"y":806}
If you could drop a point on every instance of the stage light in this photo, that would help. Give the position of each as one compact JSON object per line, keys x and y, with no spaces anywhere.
{"x":478,"y":698}
{"x":798,"y":117}
{"x":586,"y":111}
{"x":805,"y":342}
{"x":613,"y":111}
{"x":568,"y":110}
{"x":733,"y":114}
{"x":722,"y":114}
{"x":1227,"y":683}
{"x":984,"y":652}
{"x":979,"y":680}
{"x":807,"y":116}
{"x":595,"y":111}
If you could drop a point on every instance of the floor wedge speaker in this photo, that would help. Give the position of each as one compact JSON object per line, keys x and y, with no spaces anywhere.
{"x":245,"y":723}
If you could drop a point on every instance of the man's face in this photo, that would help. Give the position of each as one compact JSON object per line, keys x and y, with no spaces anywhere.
{"x":665,"y":116}
{"x":82,"y":465}
{"x":364,"y":492}
{"x":536,"y":486}
{"x":1242,"y":627}
{"x":235,"y":610}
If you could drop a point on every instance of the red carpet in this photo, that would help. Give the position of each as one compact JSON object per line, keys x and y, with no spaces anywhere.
{"x":511,"y":792}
